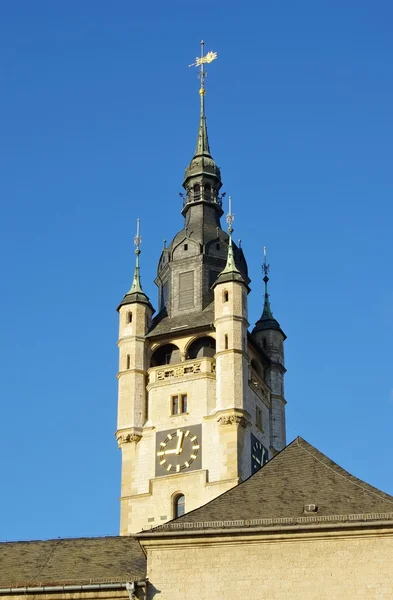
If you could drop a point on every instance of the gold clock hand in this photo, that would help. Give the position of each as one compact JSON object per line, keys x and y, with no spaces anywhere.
{"x":173,"y":451}
{"x":179,"y":443}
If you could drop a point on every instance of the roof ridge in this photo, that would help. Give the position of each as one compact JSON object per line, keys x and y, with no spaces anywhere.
{"x":352,"y":478}
{"x":67,"y":539}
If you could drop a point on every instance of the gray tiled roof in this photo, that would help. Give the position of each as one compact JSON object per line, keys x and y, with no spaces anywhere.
{"x":192,"y":320}
{"x":297,"y":476}
{"x":71,"y":561}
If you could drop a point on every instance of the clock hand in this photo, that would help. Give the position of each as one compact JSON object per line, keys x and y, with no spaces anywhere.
{"x":179,"y":443}
{"x":173,"y":451}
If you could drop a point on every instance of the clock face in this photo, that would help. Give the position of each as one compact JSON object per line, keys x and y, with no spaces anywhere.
{"x":178,"y":450}
{"x":259,"y":454}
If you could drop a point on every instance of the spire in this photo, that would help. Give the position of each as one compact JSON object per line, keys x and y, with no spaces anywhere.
{"x":267,"y":321}
{"x":135,"y":293}
{"x":202,"y":146}
{"x":230,"y":271}
{"x":202,"y":163}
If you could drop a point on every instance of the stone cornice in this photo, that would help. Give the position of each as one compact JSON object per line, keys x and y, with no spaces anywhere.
{"x":130,"y":338}
{"x":130,"y":372}
{"x":282,"y":526}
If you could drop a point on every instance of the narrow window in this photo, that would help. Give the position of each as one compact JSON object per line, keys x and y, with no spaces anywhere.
{"x":185,"y":246}
{"x":226,"y":296}
{"x":175,"y":405}
{"x":128,"y":361}
{"x":179,"y":506}
{"x":129,"y":317}
{"x":197,"y":191}
{"x":179,"y":404}
{"x":258,"y":418}
{"x":264,"y":344}
{"x":226,"y":341}
{"x":218,"y":246}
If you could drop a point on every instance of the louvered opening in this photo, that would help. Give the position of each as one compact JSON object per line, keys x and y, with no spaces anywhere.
{"x":186,"y":289}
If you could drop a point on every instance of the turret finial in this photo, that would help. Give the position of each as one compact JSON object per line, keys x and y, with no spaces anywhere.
{"x":135,"y":293}
{"x":230,"y":267}
{"x":136,"y":286}
{"x":267,"y":311}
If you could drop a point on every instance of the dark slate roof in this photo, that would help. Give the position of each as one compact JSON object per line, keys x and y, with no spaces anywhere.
{"x":297,"y":476}
{"x":163,"y":325}
{"x":71,"y":561}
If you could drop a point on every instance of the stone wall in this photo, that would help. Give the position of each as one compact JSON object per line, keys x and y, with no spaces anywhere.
{"x":338,"y":565}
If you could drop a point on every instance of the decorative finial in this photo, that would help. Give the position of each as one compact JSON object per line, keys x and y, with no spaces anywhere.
{"x":200,"y":62}
{"x":137,"y":239}
{"x":230,"y":218}
{"x":267,"y":311}
{"x":230,"y":267}
{"x":265,"y":267}
{"x":136,"y":283}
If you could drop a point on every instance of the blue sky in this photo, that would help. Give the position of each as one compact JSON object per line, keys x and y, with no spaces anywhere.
{"x":98,"y":120}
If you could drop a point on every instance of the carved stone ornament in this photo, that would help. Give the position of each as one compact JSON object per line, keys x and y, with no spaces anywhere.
{"x":126,"y":438}
{"x":233,"y":420}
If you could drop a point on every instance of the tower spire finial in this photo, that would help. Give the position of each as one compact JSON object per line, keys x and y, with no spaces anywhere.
{"x":135,"y":293}
{"x":136,"y":286}
{"x":267,"y":311}
{"x":202,"y":146}
{"x":230,"y":267}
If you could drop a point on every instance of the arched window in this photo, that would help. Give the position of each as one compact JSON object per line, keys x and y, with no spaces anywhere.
{"x":208,"y":191}
{"x":129,"y":317}
{"x":226,"y":296}
{"x":197,"y":191}
{"x":128,"y":361}
{"x":179,"y":506}
{"x":204,"y":346}
{"x":168,"y":354}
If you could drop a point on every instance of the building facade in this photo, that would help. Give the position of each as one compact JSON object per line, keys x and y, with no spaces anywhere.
{"x":201,"y":401}
{"x":201,"y":427}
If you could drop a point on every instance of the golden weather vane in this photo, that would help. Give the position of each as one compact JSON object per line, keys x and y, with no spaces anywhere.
{"x":200,"y":61}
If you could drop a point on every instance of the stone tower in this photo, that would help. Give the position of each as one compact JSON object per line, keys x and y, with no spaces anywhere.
{"x":201,"y":400}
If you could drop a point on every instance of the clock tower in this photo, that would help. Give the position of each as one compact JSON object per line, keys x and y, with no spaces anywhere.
{"x":201,"y":399}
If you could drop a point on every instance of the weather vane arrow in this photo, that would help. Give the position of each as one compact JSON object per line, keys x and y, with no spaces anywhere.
{"x":201,"y":61}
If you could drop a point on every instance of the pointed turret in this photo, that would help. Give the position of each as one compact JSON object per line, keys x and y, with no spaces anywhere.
{"x":230,"y":271}
{"x":136,"y":293}
{"x":269,"y":336}
{"x":267,"y":321}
